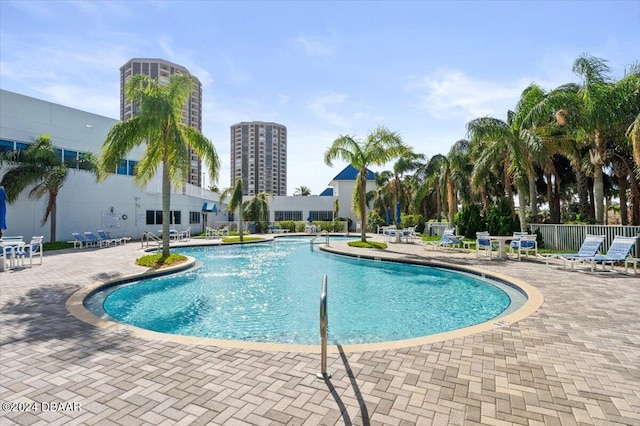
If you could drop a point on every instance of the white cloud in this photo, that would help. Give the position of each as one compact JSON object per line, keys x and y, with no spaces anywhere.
{"x":325,"y":108}
{"x":451,"y":93}
{"x":316,"y":46}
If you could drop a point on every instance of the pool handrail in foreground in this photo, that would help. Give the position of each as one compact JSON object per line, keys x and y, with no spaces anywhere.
{"x":75,"y":305}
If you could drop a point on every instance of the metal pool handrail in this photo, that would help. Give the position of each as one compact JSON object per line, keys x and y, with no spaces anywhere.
{"x":324,"y":320}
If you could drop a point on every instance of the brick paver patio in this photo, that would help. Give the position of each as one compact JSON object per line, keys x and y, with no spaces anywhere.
{"x":576,"y":361}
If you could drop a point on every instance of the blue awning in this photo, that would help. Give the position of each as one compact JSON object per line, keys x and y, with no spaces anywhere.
{"x":210,"y":207}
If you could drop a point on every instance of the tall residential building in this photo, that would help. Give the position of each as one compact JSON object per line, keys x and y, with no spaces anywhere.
{"x":162,"y":70}
{"x":259,"y":157}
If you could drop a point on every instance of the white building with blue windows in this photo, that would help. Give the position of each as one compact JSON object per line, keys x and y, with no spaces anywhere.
{"x":117,"y":205}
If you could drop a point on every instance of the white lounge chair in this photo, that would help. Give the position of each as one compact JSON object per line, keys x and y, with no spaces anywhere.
{"x":618,"y":252}
{"x":448,"y":240}
{"x":80,"y":240}
{"x":589,"y":248}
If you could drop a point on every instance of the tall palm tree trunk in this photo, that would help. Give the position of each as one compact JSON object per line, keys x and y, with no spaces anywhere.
{"x":363,"y":206}
{"x":52,"y":219}
{"x":166,"y":206}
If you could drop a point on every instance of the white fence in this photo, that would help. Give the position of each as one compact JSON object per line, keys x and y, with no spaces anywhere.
{"x":570,"y":237}
{"x":566,"y":238}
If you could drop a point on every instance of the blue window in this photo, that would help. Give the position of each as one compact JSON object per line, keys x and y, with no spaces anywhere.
{"x":132,"y":168}
{"x":70,"y":158}
{"x":122,"y":167}
{"x":6,"y":146}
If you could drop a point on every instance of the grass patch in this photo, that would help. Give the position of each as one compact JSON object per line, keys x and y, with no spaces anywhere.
{"x":236,"y":239}
{"x":367,"y":244}
{"x":57,"y":245}
{"x":156,"y":261}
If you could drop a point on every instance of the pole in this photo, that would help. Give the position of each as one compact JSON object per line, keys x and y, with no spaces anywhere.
{"x":323,"y":331}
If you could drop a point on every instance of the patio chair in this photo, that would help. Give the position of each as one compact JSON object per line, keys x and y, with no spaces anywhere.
{"x":483,"y":242}
{"x":524,"y":244}
{"x":7,"y":254}
{"x":618,"y":252}
{"x":80,"y":240}
{"x":448,"y":240}
{"x":589,"y":248}
{"x":102,"y":235}
{"x":33,"y":249}
{"x":185,"y":235}
{"x":97,"y":241}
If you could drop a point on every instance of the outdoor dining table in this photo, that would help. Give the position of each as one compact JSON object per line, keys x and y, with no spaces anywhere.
{"x":502,"y":244}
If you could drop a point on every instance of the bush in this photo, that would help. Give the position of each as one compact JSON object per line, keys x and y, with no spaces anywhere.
{"x":373,"y":221}
{"x":415,"y":220}
{"x":367,"y":244}
{"x":156,"y":261}
{"x":469,"y":221}
{"x":500,"y":220}
{"x":288,"y":224}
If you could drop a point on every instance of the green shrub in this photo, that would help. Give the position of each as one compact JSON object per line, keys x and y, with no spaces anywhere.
{"x":373,"y":221}
{"x":367,"y":244}
{"x":156,"y":261}
{"x":469,"y":220}
{"x":288,"y":224}
{"x":236,"y":239}
{"x":500,"y":220}
{"x":415,"y":220}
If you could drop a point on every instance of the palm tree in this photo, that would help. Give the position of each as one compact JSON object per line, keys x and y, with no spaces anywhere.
{"x":633,"y":132}
{"x":592,"y":110}
{"x":235,"y":203}
{"x":158,"y":125}
{"x":41,"y":166}
{"x":380,"y":147}
{"x":409,"y":162}
{"x":257,"y":209}
{"x":302,"y":191}
{"x":509,"y":143}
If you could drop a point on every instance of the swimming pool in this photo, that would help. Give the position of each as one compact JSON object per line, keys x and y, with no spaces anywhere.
{"x":269,"y":292}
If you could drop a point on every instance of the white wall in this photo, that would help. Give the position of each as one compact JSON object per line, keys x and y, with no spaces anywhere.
{"x":83,"y":203}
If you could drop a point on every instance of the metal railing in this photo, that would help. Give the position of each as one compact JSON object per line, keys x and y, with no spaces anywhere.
{"x":147,"y":237}
{"x":569,"y":237}
{"x":324,"y":233}
{"x":324,"y":322}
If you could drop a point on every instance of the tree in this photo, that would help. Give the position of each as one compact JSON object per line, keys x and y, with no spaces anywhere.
{"x":235,"y":203}
{"x":592,"y":111}
{"x":380,"y":147}
{"x":257,"y":209}
{"x":302,"y":191}
{"x":158,"y":125}
{"x":509,"y":143}
{"x":41,"y":166}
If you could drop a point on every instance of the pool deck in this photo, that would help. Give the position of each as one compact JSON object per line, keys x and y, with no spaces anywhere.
{"x":575,"y":361}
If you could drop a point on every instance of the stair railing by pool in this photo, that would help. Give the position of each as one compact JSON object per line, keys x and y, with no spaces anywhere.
{"x":326,"y":235}
{"x":324,"y":320}
{"x":150,"y":236}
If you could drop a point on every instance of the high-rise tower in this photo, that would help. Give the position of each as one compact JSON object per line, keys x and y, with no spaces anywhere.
{"x":162,"y":70}
{"x":259,"y":157}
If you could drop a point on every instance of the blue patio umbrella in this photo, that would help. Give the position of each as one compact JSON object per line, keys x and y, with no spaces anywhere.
{"x":398,"y":212}
{"x":388,"y":215}
{"x":3,"y":210}
{"x":310,"y":218}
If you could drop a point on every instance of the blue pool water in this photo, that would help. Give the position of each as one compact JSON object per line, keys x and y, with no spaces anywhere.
{"x":270,"y":292}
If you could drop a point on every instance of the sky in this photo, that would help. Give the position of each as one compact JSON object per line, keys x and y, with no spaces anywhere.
{"x":321,"y":68}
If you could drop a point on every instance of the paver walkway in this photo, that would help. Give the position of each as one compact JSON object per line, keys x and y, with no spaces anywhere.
{"x":576,"y":361}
